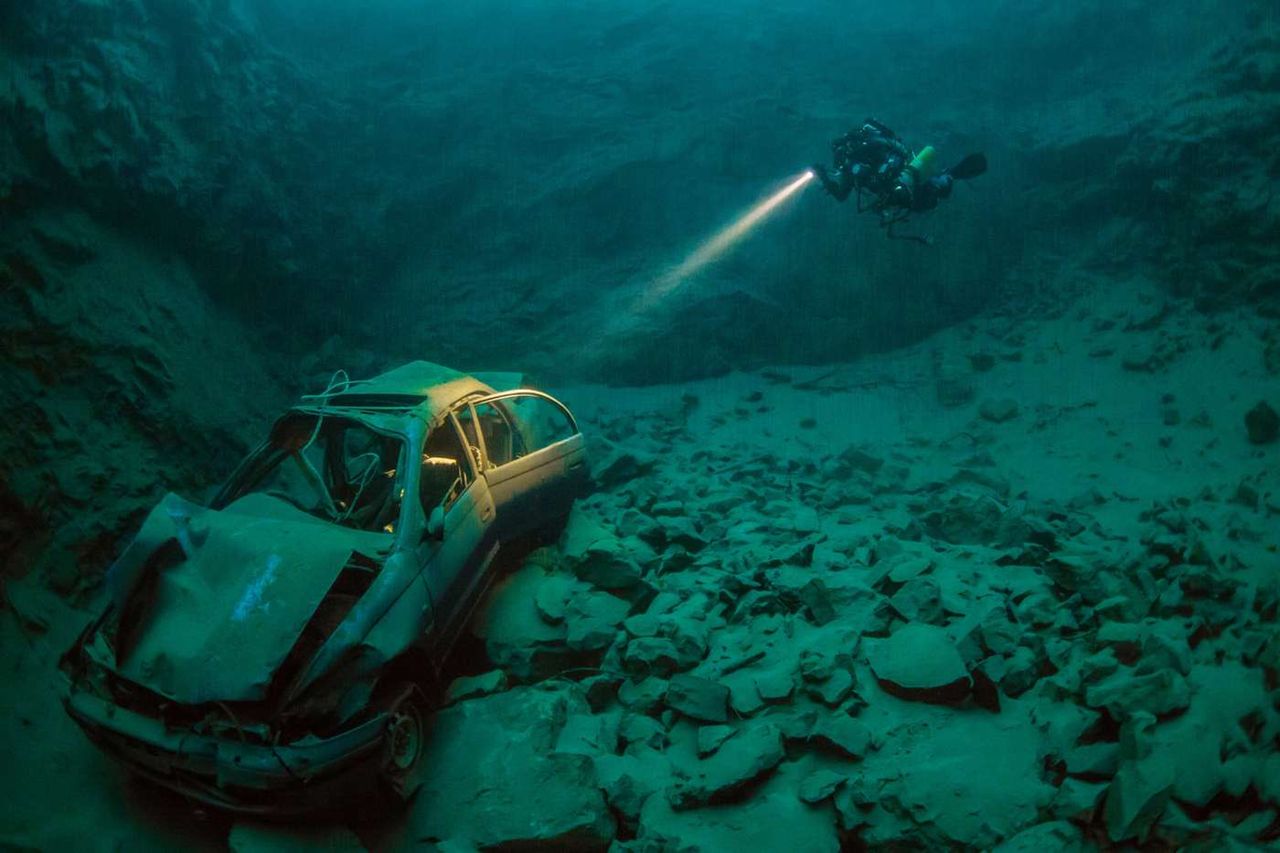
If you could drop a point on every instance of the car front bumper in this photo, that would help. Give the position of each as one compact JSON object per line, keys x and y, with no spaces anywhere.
{"x":239,"y":776}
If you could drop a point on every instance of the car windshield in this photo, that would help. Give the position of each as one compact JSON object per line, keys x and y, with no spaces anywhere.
{"x":334,"y":468}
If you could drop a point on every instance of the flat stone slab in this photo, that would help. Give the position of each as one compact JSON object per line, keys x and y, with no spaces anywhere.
{"x":699,"y":698}
{"x":919,"y":662}
{"x":735,"y":768}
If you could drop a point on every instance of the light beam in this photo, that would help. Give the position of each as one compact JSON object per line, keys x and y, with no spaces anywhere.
{"x":723,"y":240}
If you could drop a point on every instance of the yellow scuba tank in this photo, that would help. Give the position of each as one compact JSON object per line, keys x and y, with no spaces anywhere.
{"x":920,"y":169}
{"x":924,"y":163}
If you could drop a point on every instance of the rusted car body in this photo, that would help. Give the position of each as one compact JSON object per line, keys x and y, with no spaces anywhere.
{"x":268,"y":653}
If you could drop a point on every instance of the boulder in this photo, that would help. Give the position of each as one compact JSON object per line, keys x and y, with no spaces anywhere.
{"x":1126,"y":692}
{"x":834,"y":690}
{"x":494,"y":681}
{"x":621,"y":466}
{"x":642,"y":696}
{"x":819,"y":785}
{"x":919,"y":662}
{"x":1136,"y":799}
{"x":698,"y":698}
{"x":710,"y":738}
{"x":919,"y":600}
{"x":518,"y":639}
{"x":775,"y":686}
{"x":497,"y":780}
{"x":643,"y":730}
{"x":645,"y":655}
{"x":735,"y":768}
{"x":842,"y":735}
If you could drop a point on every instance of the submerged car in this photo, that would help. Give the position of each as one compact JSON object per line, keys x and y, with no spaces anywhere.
{"x":271,"y":652}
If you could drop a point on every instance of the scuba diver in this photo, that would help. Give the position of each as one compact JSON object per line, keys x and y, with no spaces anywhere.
{"x":873,"y":159}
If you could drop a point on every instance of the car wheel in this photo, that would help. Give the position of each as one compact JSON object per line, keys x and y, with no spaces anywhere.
{"x":404,"y":741}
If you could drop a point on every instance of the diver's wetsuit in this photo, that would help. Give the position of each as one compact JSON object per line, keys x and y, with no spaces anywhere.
{"x":868,"y":158}
{"x":926,"y":195}
{"x":873,"y":159}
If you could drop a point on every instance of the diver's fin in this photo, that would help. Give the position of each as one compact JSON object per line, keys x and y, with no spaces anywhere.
{"x":970,"y":167}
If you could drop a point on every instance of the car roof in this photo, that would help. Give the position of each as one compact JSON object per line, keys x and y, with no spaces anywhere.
{"x":420,"y":387}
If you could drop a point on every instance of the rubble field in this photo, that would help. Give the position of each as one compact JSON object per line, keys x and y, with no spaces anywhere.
{"x":1013,"y":588}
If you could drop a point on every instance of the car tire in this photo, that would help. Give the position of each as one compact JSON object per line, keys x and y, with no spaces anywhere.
{"x":403,"y":742}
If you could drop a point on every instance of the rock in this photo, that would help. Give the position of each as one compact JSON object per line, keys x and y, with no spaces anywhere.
{"x":1136,"y":798}
{"x":1022,"y":671}
{"x":774,"y":686}
{"x":497,"y":780}
{"x":998,"y":634}
{"x":968,"y":516}
{"x":859,"y":459}
{"x":744,"y":698}
{"x":919,"y":600}
{"x":733,"y":770}
{"x":842,"y":734}
{"x":710,"y":738}
{"x":816,"y":666}
{"x":818,"y":607}
{"x":817,"y":786}
{"x":642,"y":696}
{"x":517,"y":638}
{"x":643,"y":730}
{"x":550,"y":599}
{"x":834,"y":690}
{"x":609,"y":569}
{"x":1076,"y":799}
{"x":627,"y":796}
{"x":905,"y":567}
{"x":699,"y":698}
{"x":494,"y":681}
{"x":918,"y":662}
{"x":1126,"y":693}
{"x":1100,"y":759}
{"x":621,"y":466}
{"x":646,"y":655}
{"x":1262,"y":423}
{"x":998,"y":411}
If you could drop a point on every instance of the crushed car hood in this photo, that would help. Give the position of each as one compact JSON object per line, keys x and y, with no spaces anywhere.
{"x":234,"y":592}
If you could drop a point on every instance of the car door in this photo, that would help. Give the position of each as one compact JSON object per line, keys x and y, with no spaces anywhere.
{"x":533,"y":457}
{"x":458,"y":554}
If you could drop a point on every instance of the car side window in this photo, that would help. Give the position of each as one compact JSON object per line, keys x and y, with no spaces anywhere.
{"x":445,"y":472}
{"x":540,"y":422}
{"x":499,"y":442}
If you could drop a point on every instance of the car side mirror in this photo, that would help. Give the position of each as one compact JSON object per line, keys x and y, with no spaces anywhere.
{"x":435,"y":524}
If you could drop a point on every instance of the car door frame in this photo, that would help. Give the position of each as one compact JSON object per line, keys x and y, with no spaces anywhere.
{"x":529,"y":470}
{"x":454,"y":602}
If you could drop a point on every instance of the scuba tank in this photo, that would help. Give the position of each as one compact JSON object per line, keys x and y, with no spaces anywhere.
{"x":920,"y":169}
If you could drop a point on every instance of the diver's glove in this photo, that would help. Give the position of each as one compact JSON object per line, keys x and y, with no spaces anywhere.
{"x":823,"y":175}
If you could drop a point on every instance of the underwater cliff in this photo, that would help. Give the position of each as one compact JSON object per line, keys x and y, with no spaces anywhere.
{"x":966,"y":545}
